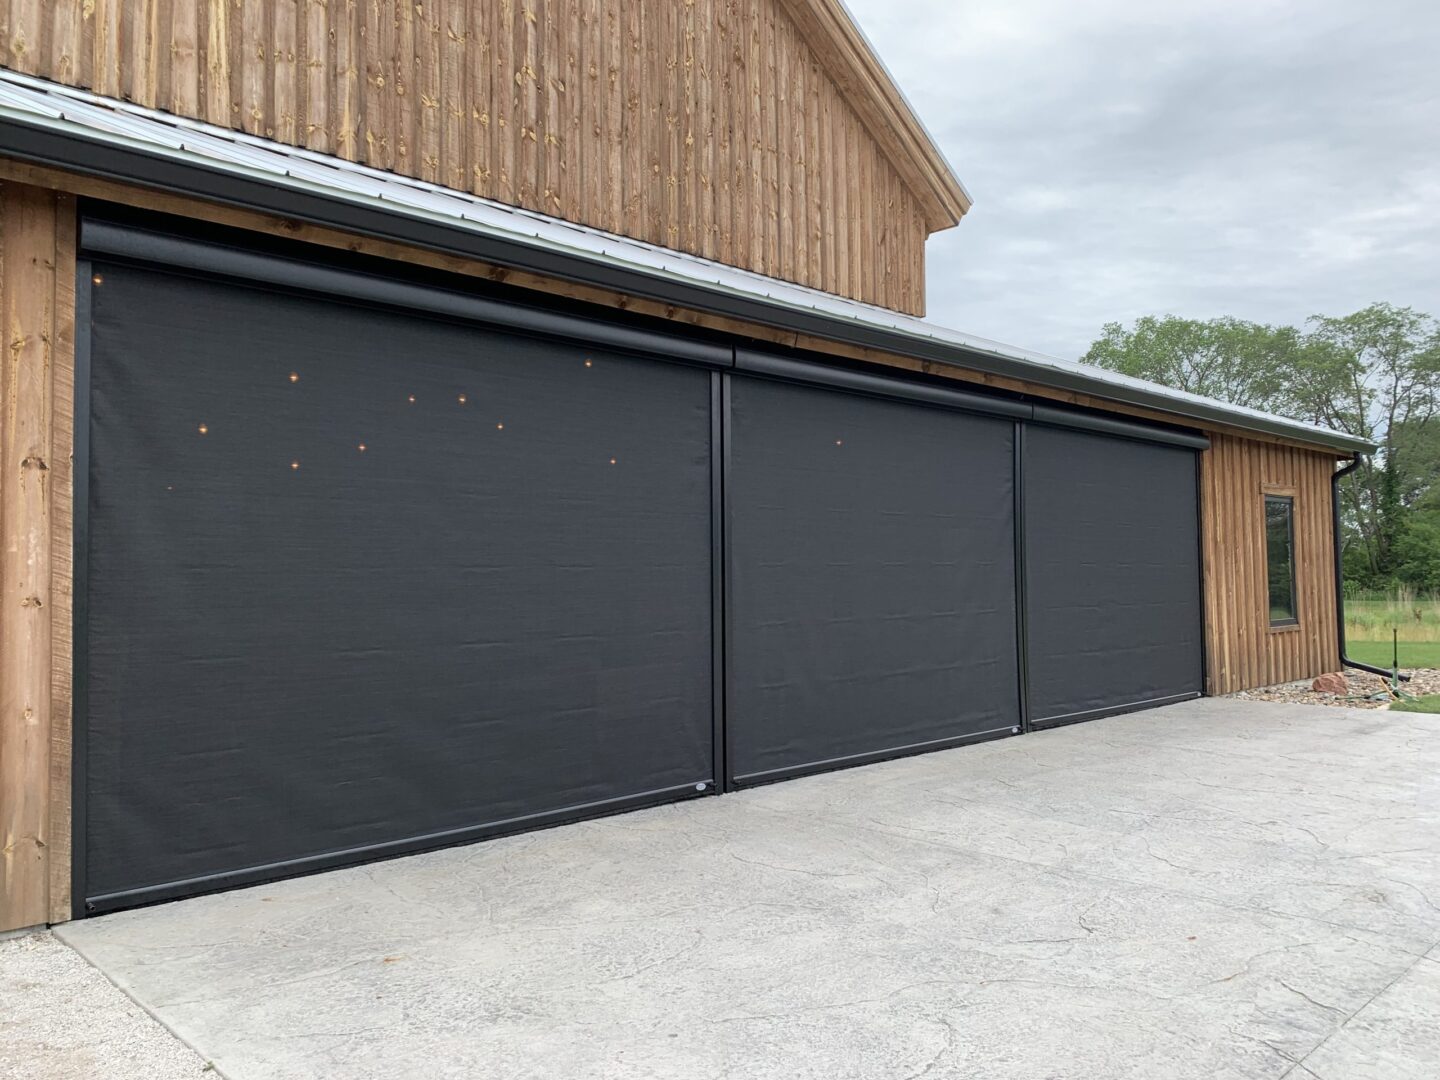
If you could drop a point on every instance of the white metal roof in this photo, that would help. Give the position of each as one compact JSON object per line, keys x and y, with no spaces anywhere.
{"x":107,"y":122}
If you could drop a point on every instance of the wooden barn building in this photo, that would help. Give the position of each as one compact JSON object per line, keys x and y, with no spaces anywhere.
{"x":423,"y":422}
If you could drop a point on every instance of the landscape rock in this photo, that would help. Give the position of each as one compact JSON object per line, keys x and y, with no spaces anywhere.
{"x":1365,"y":691}
{"x":1331,"y":683}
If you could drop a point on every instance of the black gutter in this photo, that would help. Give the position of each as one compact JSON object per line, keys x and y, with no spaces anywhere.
{"x":1345,"y":661}
{"x":91,"y":157}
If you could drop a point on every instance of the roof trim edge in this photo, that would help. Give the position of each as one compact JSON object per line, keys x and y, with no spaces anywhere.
{"x":55,"y":142}
{"x":854,"y":65}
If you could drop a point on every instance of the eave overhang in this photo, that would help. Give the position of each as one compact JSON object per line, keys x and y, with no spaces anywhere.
{"x":79,"y":132}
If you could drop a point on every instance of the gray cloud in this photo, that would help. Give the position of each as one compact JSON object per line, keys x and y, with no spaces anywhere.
{"x":1203,"y":157}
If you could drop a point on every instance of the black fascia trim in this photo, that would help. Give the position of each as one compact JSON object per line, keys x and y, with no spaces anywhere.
{"x":312,"y":864}
{"x":90,"y":157}
{"x":106,"y":238}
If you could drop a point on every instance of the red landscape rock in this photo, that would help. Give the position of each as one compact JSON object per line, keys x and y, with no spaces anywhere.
{"x":1333,"y":683}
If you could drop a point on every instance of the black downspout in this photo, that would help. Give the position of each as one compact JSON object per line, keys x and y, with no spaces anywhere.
{"x":1345,"y":661}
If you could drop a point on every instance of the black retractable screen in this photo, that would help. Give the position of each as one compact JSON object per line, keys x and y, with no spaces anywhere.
{"x":360,"y":579}
{"x":1112,"y":574}
{"x":872,"y":597}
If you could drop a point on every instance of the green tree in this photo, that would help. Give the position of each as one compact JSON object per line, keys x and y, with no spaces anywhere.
{"x":1417,"y":446}
{"x":1417,"y":553}
{"x":1374,"y":374}
{"x":1228,"y":359}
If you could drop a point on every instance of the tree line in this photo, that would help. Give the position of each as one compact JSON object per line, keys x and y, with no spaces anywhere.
{"x":1374,"y":374}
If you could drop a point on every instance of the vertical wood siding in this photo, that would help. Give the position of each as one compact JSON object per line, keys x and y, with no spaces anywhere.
{"x":1242,"y":651}
{"x":37,"y":305}
{"x":703,"y":125}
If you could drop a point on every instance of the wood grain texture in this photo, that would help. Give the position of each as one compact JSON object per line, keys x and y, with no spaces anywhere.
{"x":36,"y":382}
{"x":62,"y":559}
{"x":724,"y":128}
{"x":1242,"y":650}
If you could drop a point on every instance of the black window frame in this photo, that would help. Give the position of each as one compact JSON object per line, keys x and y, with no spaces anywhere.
{"x":1288,"y":501}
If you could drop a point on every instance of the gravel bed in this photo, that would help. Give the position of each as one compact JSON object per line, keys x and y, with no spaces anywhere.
{"x":61,"y":1019}
{"x":1366,"y":691}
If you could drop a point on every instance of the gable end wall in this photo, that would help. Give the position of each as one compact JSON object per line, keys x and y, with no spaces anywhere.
{"x":707,"y":126}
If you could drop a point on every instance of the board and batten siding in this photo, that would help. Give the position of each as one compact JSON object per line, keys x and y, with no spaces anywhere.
{"x":1242,"y":649}
{"x":37,"y":383}
{"x":708,"y":126}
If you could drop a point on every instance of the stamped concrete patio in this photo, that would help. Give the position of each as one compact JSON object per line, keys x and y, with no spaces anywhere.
{"x":1216,"y":889}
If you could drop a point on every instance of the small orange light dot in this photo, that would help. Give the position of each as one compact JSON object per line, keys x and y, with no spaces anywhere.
{"x":412,"y":399}
{"x":462,"y":399}
{"x":361,"y":448}
{"x":612,"y":461}
{"x":589,"y":363}
{"x":499,"y":427}
{"x":294,"y":376}
{"x":294,"y":465}
{"x":203,"y":429}
{"x":169,"y":487}
{"x":839,"y":442}
{"x":98,"y":279}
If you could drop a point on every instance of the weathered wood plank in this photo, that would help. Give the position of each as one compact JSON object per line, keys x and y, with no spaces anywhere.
{"x":182,"y":77}
{"x":67,"y":41}
{"x":1243,"y":651}
{"x":610,"y":105}
{"x":401,"y":62}
{"x":27,"y":313}
{"x":712,"y":126}
{"x":218,"y":100}
{"x":316,"y":64}
{"x":429,"y":92}
{"x":281,"y":64}
{"x":344,"y":109}
{"x":62,"y":547}
{"x":22,"y":36}
{"x":455,"y":126}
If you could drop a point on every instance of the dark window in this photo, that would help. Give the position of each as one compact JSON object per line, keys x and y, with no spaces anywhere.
{"x":1280,"y":558}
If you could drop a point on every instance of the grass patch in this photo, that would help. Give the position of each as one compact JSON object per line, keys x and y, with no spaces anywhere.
{"x":1373,"y":618}
{"x":1413,"y":654}
{"x":1428,"y":704}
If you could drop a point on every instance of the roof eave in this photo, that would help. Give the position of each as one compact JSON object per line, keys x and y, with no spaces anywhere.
{"x":574,"y":253}
{"x":862,"y":77}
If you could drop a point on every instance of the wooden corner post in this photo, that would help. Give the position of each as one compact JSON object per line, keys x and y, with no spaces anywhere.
{"x":37,"y":306}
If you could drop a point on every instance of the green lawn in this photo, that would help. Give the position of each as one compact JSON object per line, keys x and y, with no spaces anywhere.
{"x":1373,"y":618}
{"x":1413,"y":654}
{"x":1430,"y":704}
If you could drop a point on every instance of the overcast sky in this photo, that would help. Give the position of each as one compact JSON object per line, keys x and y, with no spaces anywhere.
{"x":1268,"y":160}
